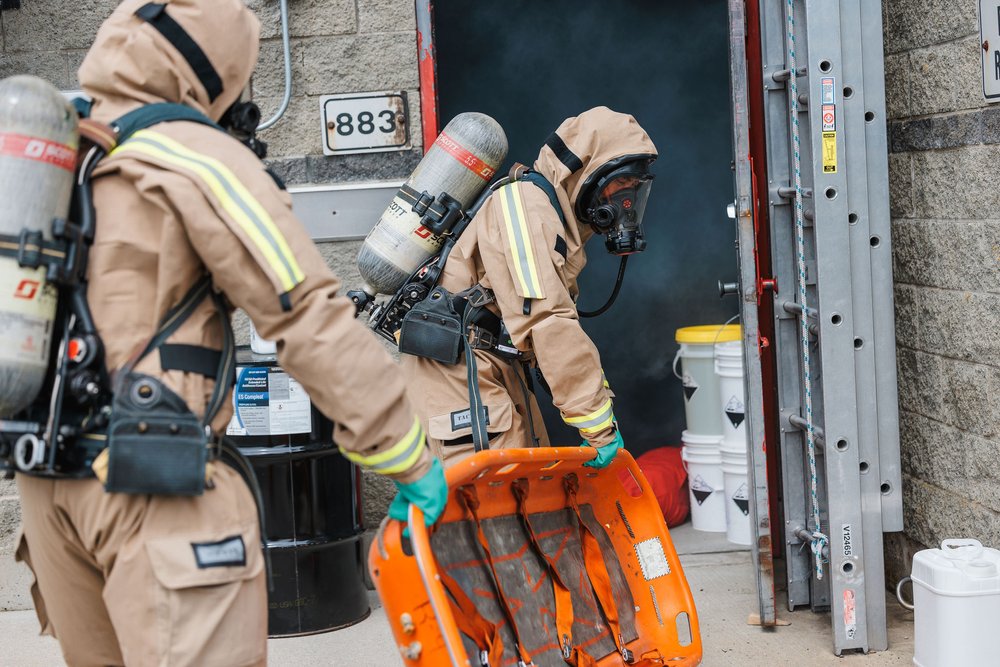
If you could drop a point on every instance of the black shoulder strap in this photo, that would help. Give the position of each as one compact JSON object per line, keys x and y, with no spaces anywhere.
{"x":539,"y":180}
{"x":160,"y":112}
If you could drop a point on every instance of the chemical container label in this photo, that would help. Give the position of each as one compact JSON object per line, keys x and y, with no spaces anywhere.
{"x":268,"y":401}
{"x":652,"y":559}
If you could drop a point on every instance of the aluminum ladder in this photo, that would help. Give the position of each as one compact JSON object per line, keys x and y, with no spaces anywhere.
{"x":844,"y":226}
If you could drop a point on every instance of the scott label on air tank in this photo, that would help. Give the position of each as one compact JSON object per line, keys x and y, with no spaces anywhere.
{"x":461,"y":162}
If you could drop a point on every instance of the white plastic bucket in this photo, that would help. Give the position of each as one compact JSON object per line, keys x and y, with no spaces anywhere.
{"x":956,"y":600}
{"x":737,"y":491}
{"x":696,"y":358}
{"x":698,"y":442}
{"x":706,"y":487}
{"x":729,"y":371}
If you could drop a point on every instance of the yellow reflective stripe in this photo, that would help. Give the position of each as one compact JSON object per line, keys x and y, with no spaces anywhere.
{"x":595,"y":421}
{"x":237,"y":201}
{"x":597,"y":428}
{"x":519,"y":239}
{"x":399,"y":458}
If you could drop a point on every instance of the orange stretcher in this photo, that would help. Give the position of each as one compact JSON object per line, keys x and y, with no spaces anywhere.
{"x":538,"y":560}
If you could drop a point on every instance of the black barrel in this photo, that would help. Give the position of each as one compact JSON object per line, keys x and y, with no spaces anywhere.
{"x":312,"y":501}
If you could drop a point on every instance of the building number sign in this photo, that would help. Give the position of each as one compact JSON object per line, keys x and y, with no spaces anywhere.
{"x":365,"y":123}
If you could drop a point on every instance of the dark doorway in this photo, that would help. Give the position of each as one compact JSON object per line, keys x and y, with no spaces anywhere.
{"x":530,"y":65}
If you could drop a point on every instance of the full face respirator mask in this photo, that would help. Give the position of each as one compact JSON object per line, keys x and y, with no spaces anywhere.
{"x":614,"y":204}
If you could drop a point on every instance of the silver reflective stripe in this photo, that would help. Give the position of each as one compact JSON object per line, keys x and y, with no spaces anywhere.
{"x":521,"y":249}
{"x":598,"y":419}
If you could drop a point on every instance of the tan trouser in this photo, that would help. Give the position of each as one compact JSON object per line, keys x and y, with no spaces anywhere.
{"x":146,"y":580}
{"x":440,"y":394}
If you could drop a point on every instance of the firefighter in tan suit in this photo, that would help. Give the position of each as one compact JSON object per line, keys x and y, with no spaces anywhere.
{"x":119,"y":580}
{"x":529,"y":256}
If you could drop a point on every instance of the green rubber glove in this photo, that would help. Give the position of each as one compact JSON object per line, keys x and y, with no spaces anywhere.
{"x":607,"y":453}
{"x":429,"y":493}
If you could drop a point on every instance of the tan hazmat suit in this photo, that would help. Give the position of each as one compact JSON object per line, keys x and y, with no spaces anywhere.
{"x":117,"y":577}
{"x":518,"y":247}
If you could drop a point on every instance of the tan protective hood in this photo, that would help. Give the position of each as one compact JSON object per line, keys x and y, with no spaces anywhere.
{"x":131,"y":63}
{"x":596,"y":137}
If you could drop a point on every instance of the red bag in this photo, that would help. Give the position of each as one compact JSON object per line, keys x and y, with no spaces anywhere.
{"x":665,"y":471}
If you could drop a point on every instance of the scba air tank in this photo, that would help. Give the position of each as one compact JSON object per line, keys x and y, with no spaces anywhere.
{"x":38,"y":144}
{"x":461,"y":162}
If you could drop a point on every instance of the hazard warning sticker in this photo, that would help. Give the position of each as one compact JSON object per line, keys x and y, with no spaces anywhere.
{"x":829,"y":117}
{"x":701,"y":489}
{"x":829,"y":152}
{"x":652,"y":559}
{"x":741,"y":499}
{"x":735,"y":411}
{"x":690,"y":386}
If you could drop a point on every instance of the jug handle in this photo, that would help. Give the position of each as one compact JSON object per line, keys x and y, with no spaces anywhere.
{"x":964,"y":549}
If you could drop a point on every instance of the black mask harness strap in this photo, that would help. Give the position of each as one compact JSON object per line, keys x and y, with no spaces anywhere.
{"x":156,"y":15}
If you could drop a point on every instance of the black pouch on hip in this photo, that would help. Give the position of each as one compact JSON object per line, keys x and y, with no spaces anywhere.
{"x":433,"y":329}
{"x":156,"y":444}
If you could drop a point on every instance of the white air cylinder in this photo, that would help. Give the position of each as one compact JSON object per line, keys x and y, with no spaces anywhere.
{"x":461,"y":162}
{"x":956,"y":605}
{"x":38,"y":143}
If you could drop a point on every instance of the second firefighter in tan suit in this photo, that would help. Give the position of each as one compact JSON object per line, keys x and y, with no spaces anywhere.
{"x":520,"y":248}
{"x":179,"y":580}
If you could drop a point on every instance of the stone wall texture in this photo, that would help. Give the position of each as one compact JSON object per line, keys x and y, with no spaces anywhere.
{"x":944,"y":144}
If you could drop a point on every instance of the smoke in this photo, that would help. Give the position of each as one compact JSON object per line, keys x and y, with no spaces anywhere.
{"x":530,"y":65}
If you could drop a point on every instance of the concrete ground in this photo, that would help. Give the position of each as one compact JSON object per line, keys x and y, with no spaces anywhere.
{"x":720,"y":576}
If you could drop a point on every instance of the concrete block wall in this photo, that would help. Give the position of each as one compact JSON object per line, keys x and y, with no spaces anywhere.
{"x":944,"y":148}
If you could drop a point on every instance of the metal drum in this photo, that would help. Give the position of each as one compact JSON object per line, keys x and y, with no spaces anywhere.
{"x":312,"y":501}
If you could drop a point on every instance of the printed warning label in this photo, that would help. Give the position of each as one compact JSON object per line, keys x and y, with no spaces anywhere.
{"x":652,"y":559}
{"x":828,"y":87}
{"x":268,"y":401}
{"x":742,"y":499}
{"x":829,"y":117}
{"x":829,"y":152}
{"x":701,"y":489}
{"x":735,"y":411}
{"x":850,"y":614}
{"x":690,"y":386}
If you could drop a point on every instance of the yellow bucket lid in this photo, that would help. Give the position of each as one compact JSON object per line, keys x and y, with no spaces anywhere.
{"x":709,"y":334}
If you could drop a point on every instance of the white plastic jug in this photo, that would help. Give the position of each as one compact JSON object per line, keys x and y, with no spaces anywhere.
{"x":956,"y":600}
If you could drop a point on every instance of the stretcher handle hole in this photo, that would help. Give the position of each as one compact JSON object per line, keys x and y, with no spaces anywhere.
{"x":552,"y":465}
{"x":842,"y":445}
{"x":875,"y":241}
{"x":825,"y":66}
{"x":886,"y":488}
{"x":683,"y":629}
{"x":852,"y":218}
{"x":869,"y":116}
{"x":848,"y":92}
{"x":864,"y":466}
{"x":483,"y":473}
{"x":831,"y":193}
{"x":847,"y":567}
{"x":510,"y":467}
{"x":629,"y":483}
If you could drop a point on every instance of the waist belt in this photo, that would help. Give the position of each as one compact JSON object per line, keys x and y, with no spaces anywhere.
{"x":485,"y":328}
